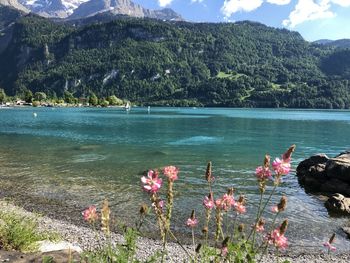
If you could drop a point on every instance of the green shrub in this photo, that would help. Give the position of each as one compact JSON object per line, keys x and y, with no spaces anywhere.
{"x":36,"y":103}
{"x":21,"y":233}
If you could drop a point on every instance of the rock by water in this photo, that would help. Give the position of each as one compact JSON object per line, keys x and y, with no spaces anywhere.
{"x":319,"y":173}
{"x":338,"y":204}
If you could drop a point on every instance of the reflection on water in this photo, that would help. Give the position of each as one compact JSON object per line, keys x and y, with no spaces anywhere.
{"x":86,"y":155}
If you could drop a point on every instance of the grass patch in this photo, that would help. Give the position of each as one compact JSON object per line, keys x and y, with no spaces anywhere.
{"x":228,"y":75}
{"x":21,"y":233}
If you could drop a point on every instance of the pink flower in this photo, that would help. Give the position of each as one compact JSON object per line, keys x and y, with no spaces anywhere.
{"x":329,"y":246}
{"x":263,"y":173}
{"x":171,"y":172}
{"x":224,"y":251}
{"x":277,"y":239}
{"x":160,"y":204}
{"x":274,"y":209}
{"x":226,"y":202}
{"x":151,"y":183}
{"x":259,"y":228}
{"x":90,"y":215}
{"x":192,"y":221}
{"x":329,"y":243}
{"x":240,"y":208}
{"x":208,"y":202}
{"x":281,"y":167}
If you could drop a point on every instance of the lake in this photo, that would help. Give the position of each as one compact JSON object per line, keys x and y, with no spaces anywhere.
{"x":84,"y":155}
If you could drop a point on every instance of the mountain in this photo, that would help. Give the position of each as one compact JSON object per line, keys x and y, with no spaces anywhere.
{"x":15,"y":4}
{"x":77,"y":9}
{"x":340,"y":43}
{"x":53,"y":8}
{"x":8,"y":16}
{"x":122,"y":7}
{"x":154,"y":62}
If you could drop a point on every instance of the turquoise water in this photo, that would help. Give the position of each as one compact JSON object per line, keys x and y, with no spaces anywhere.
{"x":88,"y":154}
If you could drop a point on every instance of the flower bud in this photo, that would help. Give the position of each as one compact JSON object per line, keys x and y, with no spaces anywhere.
{"x":267,"y":161}
{"x":288,"y":154}
{"x":193,"y":215}
{"x":282,"y":204}
{"x":208,"y":176}
{"x":230,"y":191}
{"x":225,"y":242}
{"x":241,"y":228}
{"x":242,"y":200}
{"x":283,"y":227}
{"x":205,"y":230}
{"x":143,"y":209}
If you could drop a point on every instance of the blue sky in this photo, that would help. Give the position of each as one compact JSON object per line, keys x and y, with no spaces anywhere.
{"x":314,"y":19}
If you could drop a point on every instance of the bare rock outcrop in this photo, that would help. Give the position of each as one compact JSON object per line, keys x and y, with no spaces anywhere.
{"x":319,"y":173}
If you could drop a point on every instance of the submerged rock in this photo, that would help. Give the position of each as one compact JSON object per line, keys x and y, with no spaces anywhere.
{"x":338,"y":204}
{"x":319,"y":173}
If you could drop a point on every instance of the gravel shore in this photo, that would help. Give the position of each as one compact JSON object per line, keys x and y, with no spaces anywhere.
{"x":88,"y":239}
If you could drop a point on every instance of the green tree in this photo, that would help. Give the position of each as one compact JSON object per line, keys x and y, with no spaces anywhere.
{"x":114,"y":100}
{"x":104,"y":103}
{"x":2,"y":96}
{"x":28,"y":96}
{"x":68,"y":97}
{"x":40,"y":96}
{"x":93,"y":100}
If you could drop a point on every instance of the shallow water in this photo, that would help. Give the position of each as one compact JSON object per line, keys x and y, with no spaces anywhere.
{"x":86,"y":155}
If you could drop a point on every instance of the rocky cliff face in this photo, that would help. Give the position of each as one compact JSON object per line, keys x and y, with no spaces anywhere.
{"x":77,"y":9}
{"x":122,"y":7}
{"x":15,"y":4}
{"x":52,"y":8}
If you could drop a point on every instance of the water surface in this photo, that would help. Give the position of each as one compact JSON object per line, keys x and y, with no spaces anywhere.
{"x":86,"y":154}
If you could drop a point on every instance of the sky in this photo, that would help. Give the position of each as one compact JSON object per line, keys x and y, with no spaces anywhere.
{"x":313,"y":19}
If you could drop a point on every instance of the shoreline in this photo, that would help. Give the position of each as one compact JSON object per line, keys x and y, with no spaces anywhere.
{"x":88,"y":239}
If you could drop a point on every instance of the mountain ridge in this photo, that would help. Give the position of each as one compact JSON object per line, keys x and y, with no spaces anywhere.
{"x":14,"y":4}
{"x":76,"y":9}
{"x":340,"y":43}
{"x":121,"y":7}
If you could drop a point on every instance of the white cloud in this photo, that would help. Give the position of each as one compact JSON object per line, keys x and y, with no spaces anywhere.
{"x":164,"y":3}
{"x":232,"y":6}
{"x":307,"y":10}
{"x":344,"y":3}
{"x":279,"y":2}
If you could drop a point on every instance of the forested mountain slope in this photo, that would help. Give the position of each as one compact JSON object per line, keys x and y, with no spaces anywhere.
{"x":244,"y":64}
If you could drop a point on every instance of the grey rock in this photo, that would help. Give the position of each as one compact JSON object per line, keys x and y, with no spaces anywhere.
{"x":305,"y":166}
{"x":338,"y":204}
{"x":339,"y":167}
{"x":320,"y":173}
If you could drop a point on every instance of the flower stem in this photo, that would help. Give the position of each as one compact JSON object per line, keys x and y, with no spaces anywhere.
{"x":258,"y":215}
{"x":194,"y":246}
